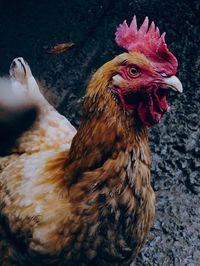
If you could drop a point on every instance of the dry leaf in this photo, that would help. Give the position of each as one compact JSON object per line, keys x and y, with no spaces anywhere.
{"x":60,"y":48}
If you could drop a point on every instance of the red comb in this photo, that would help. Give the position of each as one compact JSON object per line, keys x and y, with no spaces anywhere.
{"x":147,"y":40}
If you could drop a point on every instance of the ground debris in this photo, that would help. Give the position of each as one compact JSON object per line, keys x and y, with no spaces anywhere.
{"x":60,"y":48}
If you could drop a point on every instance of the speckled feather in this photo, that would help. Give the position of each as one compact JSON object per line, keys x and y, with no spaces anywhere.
{"x":91,"y":204}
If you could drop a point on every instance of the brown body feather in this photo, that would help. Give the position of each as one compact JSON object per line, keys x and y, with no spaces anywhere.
{"x":91,"y":205}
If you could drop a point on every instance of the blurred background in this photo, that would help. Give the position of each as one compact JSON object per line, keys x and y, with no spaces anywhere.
{"x":30,"y":28}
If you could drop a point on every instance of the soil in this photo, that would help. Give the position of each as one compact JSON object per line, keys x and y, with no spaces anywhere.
{"x":30,"y":28}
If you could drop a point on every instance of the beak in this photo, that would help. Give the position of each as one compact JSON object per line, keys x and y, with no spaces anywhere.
{"x":173,"y":83}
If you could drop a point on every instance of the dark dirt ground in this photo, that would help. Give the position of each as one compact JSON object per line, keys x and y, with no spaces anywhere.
{"x":27,"y":28}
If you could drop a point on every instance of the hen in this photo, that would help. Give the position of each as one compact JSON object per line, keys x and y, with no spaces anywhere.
{"x":84,"y":198}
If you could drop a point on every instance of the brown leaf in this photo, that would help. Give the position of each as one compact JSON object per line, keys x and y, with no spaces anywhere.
{"x":60,"y":48}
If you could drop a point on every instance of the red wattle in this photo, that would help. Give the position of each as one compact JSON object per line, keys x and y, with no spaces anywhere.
{"x":153,"y":108}
{"x":150,"y":105}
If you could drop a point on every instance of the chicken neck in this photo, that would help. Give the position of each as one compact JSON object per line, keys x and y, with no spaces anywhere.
{"x":110,"y":142}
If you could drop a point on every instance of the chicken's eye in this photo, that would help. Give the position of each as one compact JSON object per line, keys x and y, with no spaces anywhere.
{"x":133,"y":72}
